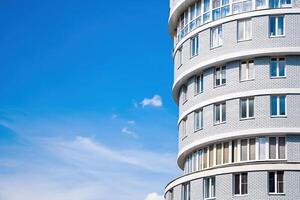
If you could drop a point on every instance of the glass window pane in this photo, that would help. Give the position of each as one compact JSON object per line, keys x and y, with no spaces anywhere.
{"x":244,"y":149}
{"x":251,"y":70}
{"x":272,"y":26}
{"x":244,"y":183}
{"x":273,"y":67}
{"x":280,"y":25}
{"x":271,"y":182}
{"x":226,"y":153}
{"x":248,"y":31}
{"x":217,"y":107}
{"x":262,"y":148}
{"x":252,"y":143}
{"x":244,"y":108}
{"x":223,"y":75}
{"x":282,"y":105}
{"x":234,"y":151}
{"x":219,"y":154}
{"x":237,"y":184}
{"x":205,"y":157}
{"x":211,"y":156}
{"x":199,"y":159}
{"x":217,"y":76}
{"x":216,"y":14}
{"x":206,"y":5}
{"x":280,"y":182}
{"x":274,"y":105}
{"x":282,"y":68}
{"x":206,"y":187}
{"x":243,"y":71}
{"x":213,"y":187}
{"x":251,"y":107}
{"x":223,"y":112}
{"x":281,"y":146}
{"x":272,"y":147}
{"x":241,"y":30}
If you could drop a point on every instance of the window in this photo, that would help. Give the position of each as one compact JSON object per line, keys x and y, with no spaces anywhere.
{"x":219,"y":154}
{"x":183,"y":92}
{"x":209,"y":187}
{"x":220,"y":9}
{"x":240,"y":184}
{"x":276,"y":182}
{"x":276,"y":26}
{"x":244,"y":150}
{"x":206,"y":10}
{"x":185,"y":191}
{"x":182,"y":26}
{"x":244,"y":29}
{"x":216,"y":37}
{"x":260,"y":4}
{"x":277,"y":67}
{"x":247,"y":70}
{"x":198,"y":120}
{"x":262,"y":148}
{"x":247,"y":108}
{"x":183,"y":128}
{"x":199,"y":84}
{"x":195,"y":16}
{"x":279,"y":3}
{"x":252,"y":149}
{"x":220,"y":113}
{"x":278,"y":105}
{"x":194,"y":46}
{"x":179,"y":57}
{"x":200,"y":159}
{"x":234,"y":152}
{"x":220,"y":76}
{"x":277,"y":146}
{"x":211,"y":156}
{"x":205,"y":158}
{"x":225,"y":152}
{"x":239,"y":6}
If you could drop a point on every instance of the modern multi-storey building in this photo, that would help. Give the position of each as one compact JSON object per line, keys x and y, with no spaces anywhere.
{"x":237,"y":85}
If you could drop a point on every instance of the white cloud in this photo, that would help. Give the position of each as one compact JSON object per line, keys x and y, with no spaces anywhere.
{"x":131,"y":122}
{"x":114,"y":116}
{"x":155,"y":101}
{"x":129,"y":132}
{"x":154,"y":196}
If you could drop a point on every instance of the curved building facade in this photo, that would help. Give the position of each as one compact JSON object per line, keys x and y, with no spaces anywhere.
{"x":237,"y":86}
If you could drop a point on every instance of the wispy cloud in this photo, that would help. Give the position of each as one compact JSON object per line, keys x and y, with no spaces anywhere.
{"x":155,"y":101}
{"x":131,"y":122}
{"x":154,"y":196}
{"x":129,"y":132}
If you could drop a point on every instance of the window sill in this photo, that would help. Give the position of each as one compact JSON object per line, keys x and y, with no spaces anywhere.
{"x":278,"y":116}
{"x":212,"y":198}
{"x":184,"y":138}
{"x":216,"y":47}
{"x":216,"y":124}
{"x":277,"y":194}
{"x":193,"y":56}
{"x":246,"y":80}
{"x":276,"y":36}
{"x":197,"y":130}
{"x":184,"y":102}
{"x":246,"y":40}
{"x":277,"y":77}
{"x":240,"y":195}
{"x":196,"y":94}
{"x":217,"y":86}
{"x":245,"y":119}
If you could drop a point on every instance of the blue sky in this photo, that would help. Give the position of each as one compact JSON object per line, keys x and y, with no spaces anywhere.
{"x":85,"y":100}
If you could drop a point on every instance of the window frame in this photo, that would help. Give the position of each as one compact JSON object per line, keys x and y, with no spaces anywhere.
{"x":276,"y":148}
{"x":194,"y":43}
{"x":198,"y":90}
{"x":247,"y":62}
{"x":276,"y":26}
{"x":278,"y":106}
{"x":183,"y":94}
{"x":211,"y":195}
{"x":186,"y":189}
{"x":240,"y":184}
{"x":219,"y":42}
{"x":179,"y":57}
{"x":276,"y":183}
{"x":277,"y":60}
{"x":244,"y":24}
{"x":247,"y":99}
{"x":198,"y":113}
{"x":183,"y":131}
{"x":222,"y":121}
{"x":222,"y":69}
